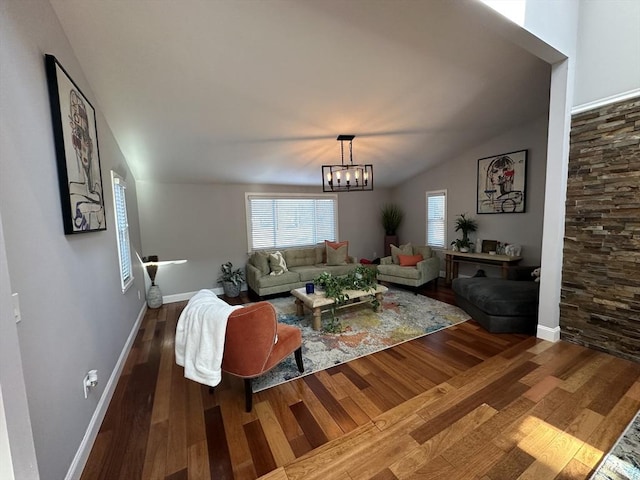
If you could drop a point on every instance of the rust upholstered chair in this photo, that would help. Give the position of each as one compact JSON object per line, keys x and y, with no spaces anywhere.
{"x":255,"y":343}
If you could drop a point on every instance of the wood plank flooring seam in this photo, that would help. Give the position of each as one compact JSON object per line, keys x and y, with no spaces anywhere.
{"x":582,"y":398}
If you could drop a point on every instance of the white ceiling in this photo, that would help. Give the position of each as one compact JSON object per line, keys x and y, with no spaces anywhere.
{"x":252,"y":91}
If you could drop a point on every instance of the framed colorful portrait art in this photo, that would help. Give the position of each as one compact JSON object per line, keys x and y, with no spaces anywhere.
{"x":78,"y":159}
{"x":502,"y":183}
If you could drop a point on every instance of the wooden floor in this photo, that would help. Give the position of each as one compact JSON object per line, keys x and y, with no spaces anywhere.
{"x":457,"y":404}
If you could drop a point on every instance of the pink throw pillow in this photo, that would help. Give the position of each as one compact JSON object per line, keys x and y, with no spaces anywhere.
{"x":336,"y":245}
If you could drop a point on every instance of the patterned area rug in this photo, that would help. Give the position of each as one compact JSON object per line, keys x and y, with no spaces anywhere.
{"x":623,"y":461}
{"x":405,"y":316}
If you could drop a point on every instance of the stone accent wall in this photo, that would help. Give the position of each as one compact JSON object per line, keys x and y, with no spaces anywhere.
{"x":600,"y":298}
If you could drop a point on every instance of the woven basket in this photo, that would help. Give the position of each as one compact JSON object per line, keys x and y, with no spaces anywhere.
{"x":230,"y":289}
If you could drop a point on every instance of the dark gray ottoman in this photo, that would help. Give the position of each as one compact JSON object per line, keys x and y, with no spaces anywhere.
{"x":499,"y":305}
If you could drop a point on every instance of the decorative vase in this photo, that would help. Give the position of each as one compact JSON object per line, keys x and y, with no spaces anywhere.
{"x":231,"y":290}
{"x":154,"y":297}
{"x":464,"y":249}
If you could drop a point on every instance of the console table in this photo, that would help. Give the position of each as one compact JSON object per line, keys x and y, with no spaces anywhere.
{"x":452,"y":259}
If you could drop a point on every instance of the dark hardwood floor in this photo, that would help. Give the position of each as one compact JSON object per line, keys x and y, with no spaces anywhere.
{"x":459,"y":403}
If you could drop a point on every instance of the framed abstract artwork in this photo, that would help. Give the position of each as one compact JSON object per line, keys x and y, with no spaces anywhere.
{"x":502,"y":183}
{"x":76,"y":143}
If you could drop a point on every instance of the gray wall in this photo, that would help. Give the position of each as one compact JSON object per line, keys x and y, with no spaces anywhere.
{"x":206,"y":225}
{"x":458,"y":177}
{"x":74,"y":315}
{"x":608,"y":49}
{"x":19,"y":455}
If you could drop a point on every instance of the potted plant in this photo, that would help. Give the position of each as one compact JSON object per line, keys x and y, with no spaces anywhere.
{"x":461,"y":245}
{"x":231,"y":279}
{"x":391,"y":216}
{"x":361,"y":278}
{"x":466,"y":226}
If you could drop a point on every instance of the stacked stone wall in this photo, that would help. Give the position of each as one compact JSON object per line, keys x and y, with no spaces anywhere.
{"x":600,"y":299}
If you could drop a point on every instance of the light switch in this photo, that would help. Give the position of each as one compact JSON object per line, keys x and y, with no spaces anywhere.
{"x":16,"y":307}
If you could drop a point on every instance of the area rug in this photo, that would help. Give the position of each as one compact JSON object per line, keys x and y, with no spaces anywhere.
{"x":405,"y":316}
{"x":623,"y":461}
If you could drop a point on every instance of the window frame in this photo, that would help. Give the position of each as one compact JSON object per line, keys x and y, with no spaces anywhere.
{"x":290,"y":196}
{"x":122,"y":231}
{"x":436,"y":193}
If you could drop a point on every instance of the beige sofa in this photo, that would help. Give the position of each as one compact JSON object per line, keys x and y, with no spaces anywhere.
{"x":424,"y":271}
{"x":303,"y":265}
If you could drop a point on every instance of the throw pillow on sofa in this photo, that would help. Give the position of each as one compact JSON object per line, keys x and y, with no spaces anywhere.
{"x":423,"y":250}
{"x":337,"y":252}
{"x":336,"y":245}
{"x":409,"y":260}
{"x":277,"y":264}
{"x":260,"y":260}
{"x":405,"y":249}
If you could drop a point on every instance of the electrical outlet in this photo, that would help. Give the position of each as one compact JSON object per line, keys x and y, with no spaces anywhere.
{"x":139,"y":297}
{"x":90,"y":380}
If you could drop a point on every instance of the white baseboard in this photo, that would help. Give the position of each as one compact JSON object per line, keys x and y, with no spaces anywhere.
{"x":181,"y":297}
{"x":550,"y":334}
{"x":82,"y":455}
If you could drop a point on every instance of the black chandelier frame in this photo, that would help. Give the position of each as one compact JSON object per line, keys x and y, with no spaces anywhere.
{"x":349,"y":177}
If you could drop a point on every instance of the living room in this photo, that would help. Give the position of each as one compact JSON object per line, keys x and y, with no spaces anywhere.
{"x":74,"y":317}
{"x":358,"y":213}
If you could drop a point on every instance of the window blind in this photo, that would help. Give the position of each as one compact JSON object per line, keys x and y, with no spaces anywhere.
{"x":437,"y":218}
{"x":122,"y":230}
{"x":275,"y":221}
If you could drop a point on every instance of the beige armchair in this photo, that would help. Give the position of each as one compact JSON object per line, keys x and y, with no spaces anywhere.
{"x":404,"y":267}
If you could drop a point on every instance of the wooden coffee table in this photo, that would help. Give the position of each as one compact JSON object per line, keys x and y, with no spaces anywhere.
{"x":317,"y":302}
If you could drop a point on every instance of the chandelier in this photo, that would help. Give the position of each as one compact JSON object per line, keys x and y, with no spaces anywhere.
{"x":349,"y":177}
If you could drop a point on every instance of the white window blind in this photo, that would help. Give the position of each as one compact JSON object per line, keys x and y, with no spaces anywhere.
{"x":122,"y":230}
{"x":281,"y":221}
{"x":437,"y":218}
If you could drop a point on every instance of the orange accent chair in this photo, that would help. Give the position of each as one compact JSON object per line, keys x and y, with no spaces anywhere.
{"x":255,"y":343}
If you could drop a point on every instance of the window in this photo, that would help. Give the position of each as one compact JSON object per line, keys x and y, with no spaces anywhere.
{"x":437,"y":218}
{"x":288,"y":220}
{"x":122,"y":230}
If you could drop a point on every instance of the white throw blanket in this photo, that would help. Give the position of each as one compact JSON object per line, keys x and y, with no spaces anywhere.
{"x":200,"y":337}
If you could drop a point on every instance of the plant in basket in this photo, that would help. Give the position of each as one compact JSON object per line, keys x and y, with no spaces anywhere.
{"x":231,"y":279}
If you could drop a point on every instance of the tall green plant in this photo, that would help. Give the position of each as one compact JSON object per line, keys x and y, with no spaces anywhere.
{"x":466,"y":226}
{"x":391,"y":216}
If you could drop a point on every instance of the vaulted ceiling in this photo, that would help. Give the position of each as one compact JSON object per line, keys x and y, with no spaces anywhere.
{"x":229,"y":91}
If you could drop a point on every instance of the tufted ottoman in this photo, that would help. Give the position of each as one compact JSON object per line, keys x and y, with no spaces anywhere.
{"x":499,"y":305}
